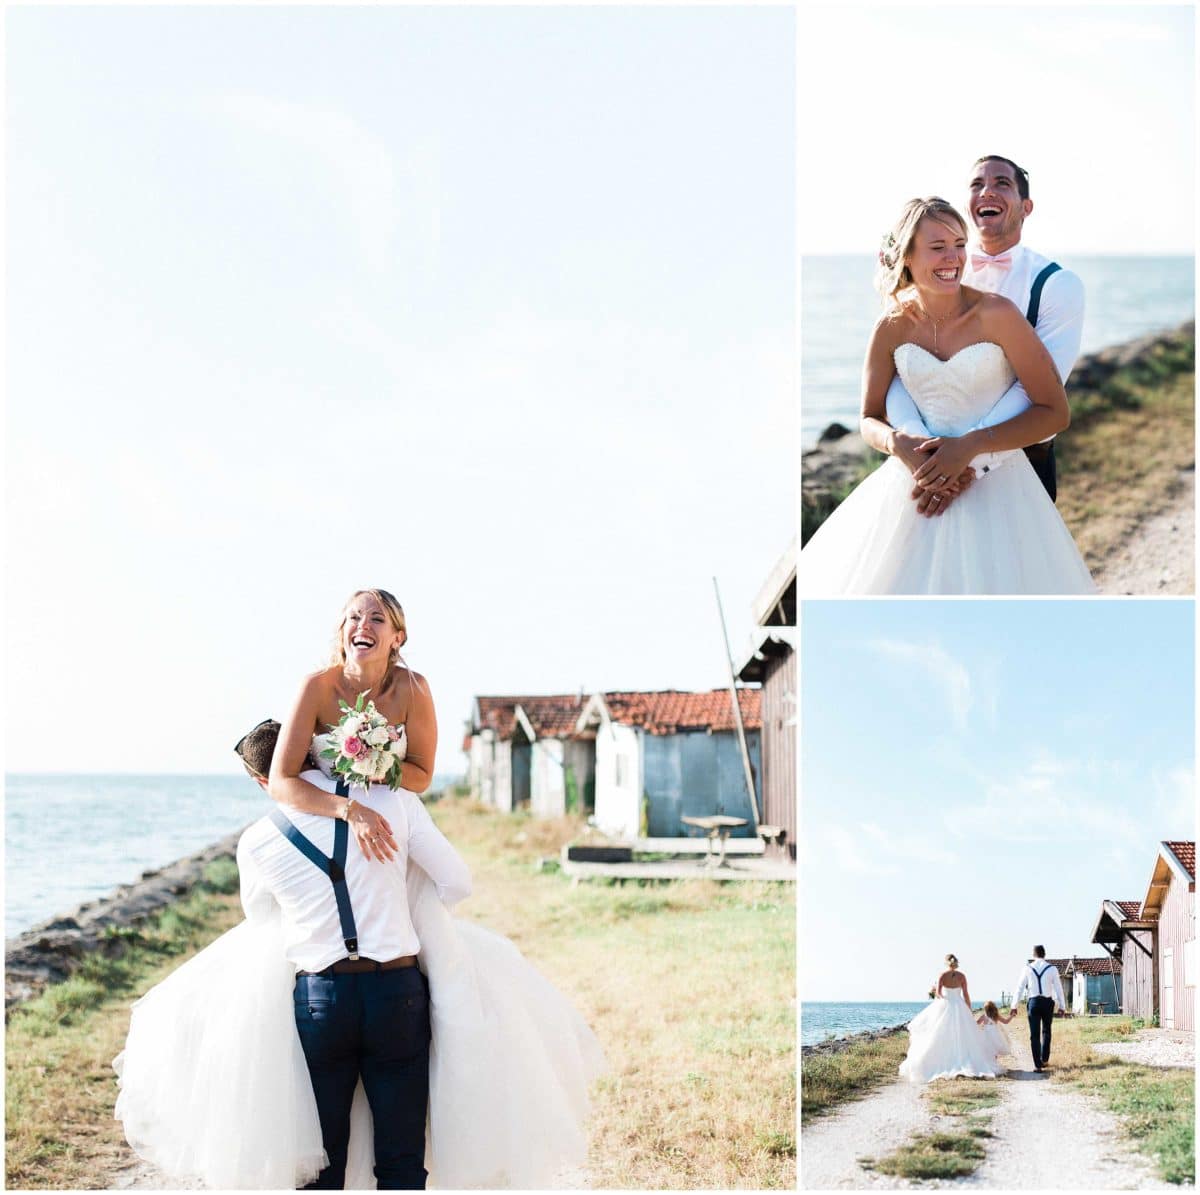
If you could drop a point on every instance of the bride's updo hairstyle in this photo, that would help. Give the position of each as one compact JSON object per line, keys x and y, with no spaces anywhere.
{"x":952,"y":962}
{"x":395,"y":615}
{"x":893,"y":274}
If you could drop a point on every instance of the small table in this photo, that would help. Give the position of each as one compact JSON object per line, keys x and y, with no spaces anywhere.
{"x":718,"y":826}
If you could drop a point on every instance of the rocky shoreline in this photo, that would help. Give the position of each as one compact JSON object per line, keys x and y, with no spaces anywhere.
{"x":839,"y":1045}
{"x":53,"y":950}
{"x":841,"y":456}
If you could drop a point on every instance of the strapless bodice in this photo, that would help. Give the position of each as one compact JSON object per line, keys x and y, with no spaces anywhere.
{"x":321,"y":741}
{"x":953,"y":396}
{"x":953,"y":994}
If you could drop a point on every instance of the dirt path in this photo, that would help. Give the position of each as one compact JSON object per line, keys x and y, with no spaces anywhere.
{"x":1160,"y":558}
{"x":1047,"y":1137}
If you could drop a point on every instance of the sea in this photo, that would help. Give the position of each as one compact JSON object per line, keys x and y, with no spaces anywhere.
{"x":70,"y":839}
{"x":1127,"y":297}
{"x":822,"y":1019}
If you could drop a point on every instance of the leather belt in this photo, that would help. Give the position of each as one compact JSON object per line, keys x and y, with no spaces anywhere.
{"x":357,"y":966}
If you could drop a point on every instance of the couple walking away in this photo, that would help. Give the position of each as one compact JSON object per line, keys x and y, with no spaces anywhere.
{"x":946,"y":1040}
{"x":350,"y":1033}
{"x":963,"y":391}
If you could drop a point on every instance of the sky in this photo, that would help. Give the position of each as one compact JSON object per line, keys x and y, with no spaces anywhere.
{"x":977,"y":777}
{"x":1095,"y":101}
{"x":492,"y":308}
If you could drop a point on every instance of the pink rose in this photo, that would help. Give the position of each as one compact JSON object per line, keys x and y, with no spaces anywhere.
{"x":393,"y":733}
{"x":354,"y":747}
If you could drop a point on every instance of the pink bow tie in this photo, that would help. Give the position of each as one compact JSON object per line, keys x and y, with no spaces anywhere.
{"x":980,"y":261}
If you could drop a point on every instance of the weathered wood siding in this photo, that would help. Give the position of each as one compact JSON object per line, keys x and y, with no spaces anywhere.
{"x":1138,"y":995}
{"x":779,"y":788}
{"x":696,"y":774}
{"x":1177,"y":927}
{"x":490,"y":770}
{"x":547,"y":788}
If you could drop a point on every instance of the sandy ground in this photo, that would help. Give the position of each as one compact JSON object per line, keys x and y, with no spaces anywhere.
{"x":1047,"y":1137}
{"x":1155,"y":1047}
{"x":1160,"y":558}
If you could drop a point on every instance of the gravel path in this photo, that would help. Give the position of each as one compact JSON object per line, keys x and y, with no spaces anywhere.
{"x":1047,"y":1137}
{"x":1154,"y":1047}
{"x":831,"y":1146}
{"x":1160,"y":558}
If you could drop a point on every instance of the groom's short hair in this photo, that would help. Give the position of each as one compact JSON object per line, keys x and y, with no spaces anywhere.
{"x":258,"y":747}
{"x":1039,"y":952}
{"x":1020,"y":174}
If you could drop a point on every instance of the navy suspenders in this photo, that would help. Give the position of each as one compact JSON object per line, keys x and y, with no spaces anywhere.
{"x":1035,"y":295}
{"x":1038,"y":975}
{"x":334,"y":868}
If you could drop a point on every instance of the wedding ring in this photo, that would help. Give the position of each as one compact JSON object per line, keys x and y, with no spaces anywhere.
{"x":942,"y":477}
{"x":936,"y":498}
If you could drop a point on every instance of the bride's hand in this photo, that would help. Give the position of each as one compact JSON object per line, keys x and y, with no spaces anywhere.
{"x":907,"y":449}
{"x":373,"y":833}
{"x":951,"y":455}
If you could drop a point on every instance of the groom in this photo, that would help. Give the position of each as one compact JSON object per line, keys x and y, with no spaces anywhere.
{"x":1041,"y":984}
{"x":998,"y":204}
{"x":361,"y":1003}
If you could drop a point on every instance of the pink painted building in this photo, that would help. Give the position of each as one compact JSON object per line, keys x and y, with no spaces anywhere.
{"x":1170,"y":904}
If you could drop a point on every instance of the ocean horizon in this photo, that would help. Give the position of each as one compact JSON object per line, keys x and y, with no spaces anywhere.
{"x":74,"y":837}
{"x":1127,"y":296}
{"x":822,"y":1019}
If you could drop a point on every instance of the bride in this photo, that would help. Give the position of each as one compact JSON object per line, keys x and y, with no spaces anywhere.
{"x":957,"y":351}
{"x":214,"y":1082}
{"x":944,"y":1039}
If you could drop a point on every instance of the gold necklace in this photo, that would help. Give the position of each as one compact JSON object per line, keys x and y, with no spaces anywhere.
{"x":938,"y":322}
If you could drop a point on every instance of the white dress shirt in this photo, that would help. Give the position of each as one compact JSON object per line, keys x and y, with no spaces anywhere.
{"x":1059,"y":325}
{"x":1051,"y":985}
{"x":274,"y":873}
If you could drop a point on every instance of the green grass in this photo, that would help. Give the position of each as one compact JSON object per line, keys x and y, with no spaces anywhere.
{"x":829,"y":1080}
{"x":935,"y":1155}
{"x":961,"y":1097}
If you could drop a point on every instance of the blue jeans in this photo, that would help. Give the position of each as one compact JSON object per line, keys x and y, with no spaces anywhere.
{"x":373,"y":1024}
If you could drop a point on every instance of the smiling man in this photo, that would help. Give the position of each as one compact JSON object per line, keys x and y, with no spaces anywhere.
{"x":998,"y":204}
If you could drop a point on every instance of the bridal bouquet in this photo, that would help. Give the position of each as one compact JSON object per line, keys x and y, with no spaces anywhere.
{"x":365,"y":750}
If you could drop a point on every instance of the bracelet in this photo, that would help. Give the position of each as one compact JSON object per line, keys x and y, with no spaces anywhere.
{"x":346,"y":810}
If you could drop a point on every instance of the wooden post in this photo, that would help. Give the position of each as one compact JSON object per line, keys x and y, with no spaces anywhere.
{"x":737,"y":713}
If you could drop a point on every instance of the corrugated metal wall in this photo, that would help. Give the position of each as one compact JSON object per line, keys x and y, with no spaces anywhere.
{"x":696,"y":774}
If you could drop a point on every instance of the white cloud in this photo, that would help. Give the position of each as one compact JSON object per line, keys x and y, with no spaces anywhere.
{"x":927,"y":662}
{"x":356,"y":164}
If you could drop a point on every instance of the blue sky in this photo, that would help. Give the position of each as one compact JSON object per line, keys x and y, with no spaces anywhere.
{"x":490,"y":307}
{"x":1097,"y":102}
{"x":978,"y":776}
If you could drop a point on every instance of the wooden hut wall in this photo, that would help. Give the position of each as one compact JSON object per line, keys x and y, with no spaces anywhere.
{"x":695,"y":774}
{"x":1176,"y":927}
{"x":779,"y":746}
{"x":546,"y":787}
{"x":1137,"y":975}
{"x":579,"y":755}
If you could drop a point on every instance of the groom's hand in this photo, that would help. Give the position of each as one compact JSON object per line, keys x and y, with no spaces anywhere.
{"x":907,"y":449}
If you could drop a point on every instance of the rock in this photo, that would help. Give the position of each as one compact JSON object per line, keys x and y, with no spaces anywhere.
{"x":834,"y":432}
{"x":51,"y":951}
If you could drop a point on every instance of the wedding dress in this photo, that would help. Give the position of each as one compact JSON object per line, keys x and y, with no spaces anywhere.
{"x":944,"y":1041}
{"x":996,"y":1038}
{"x":1003,"y":536}
{"x":214,"y":1086}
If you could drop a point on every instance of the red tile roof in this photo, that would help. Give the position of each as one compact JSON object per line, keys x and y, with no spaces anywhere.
{"x":669,"y":711}
{"x":1095,"y":966}
{"x":1185,"y":852}
{"x":551,"y":714}
{"x":663,"y":712}
{"x":1131,"y":908}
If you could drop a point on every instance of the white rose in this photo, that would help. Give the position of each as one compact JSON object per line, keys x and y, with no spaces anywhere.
{"x":378,"y":737}
{"x":396,"y":747}
{"x":351,"y":726}
{"x":364,"y":766}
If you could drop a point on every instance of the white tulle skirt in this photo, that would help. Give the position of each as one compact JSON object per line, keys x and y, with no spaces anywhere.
{"x":214,"y":1086}
{"x":996,"y":1038}
{"x":944,"y":1041}
{"x":1003,"y":536}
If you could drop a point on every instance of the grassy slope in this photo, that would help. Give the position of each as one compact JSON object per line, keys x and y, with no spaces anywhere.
{"x":689,"y":987}
{"x":1119,"y":461}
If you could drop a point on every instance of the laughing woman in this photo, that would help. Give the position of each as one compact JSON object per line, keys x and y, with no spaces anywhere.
{"x":957,"y":350}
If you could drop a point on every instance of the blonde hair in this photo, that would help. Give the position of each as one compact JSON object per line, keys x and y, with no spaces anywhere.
{"x":893,"y":274}
{"x":395,"y":613}
{"x":990,"y":1010}
{"x":951,"y":961}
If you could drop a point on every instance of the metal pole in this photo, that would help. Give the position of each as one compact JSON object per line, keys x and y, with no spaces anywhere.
{"x":737,"y":712}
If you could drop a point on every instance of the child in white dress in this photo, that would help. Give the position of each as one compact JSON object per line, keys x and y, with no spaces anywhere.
{"x":990,"y":1021}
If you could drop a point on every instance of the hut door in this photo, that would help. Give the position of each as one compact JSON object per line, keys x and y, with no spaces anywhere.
{"x":1169,"y":987}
